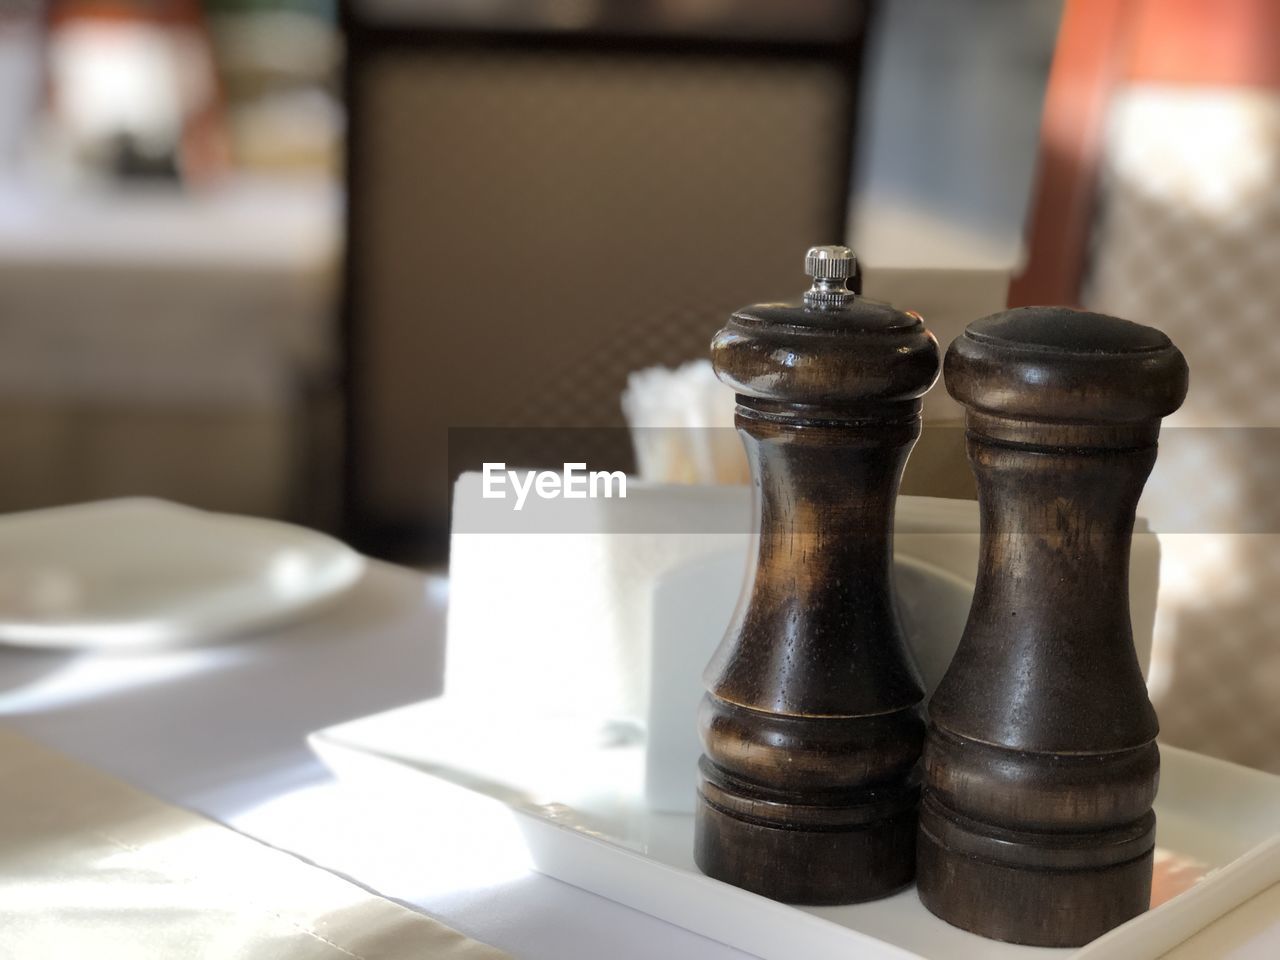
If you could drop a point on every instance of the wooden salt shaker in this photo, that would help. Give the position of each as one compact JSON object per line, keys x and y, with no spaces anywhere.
{"x":1040,"y":763}
{"x":812,"y":725}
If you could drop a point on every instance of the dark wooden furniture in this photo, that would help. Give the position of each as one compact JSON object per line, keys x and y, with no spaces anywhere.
{"x":1040,"y":763}
{"x":812,"y":726}
{"x":603,"y":154}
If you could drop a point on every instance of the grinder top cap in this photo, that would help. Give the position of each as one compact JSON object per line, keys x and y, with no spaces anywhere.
{"x":1061,"y":365}
{"x":830,"y":346}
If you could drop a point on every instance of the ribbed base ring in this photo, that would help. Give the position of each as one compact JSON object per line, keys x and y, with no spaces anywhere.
{"x":1043,"y":890}
{"x":859,"y":849}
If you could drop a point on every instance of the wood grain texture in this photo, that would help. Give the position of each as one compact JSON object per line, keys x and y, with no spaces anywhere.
{"x":1040,"y":764}
{"x":813,"y":723}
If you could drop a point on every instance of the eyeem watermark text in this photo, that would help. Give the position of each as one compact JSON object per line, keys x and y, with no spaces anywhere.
{"x":574,"y":482}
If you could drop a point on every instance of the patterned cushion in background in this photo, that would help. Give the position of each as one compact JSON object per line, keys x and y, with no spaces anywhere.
{"x":1188,"y":240}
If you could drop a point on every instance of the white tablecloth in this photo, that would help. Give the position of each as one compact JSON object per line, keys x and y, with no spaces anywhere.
{"x":222,"y":730}
{"x":95,"y":868}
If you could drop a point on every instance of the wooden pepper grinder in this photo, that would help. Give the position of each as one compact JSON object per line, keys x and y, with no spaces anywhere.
{"x":1041,"y":763}
{"x":812,"y":726}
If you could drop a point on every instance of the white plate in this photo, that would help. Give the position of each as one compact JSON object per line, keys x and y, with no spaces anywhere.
{"x":577,"y":798}
{"x":123,"y":574}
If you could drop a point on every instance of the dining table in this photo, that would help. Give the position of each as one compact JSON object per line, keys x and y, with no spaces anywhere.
{"x":221,"y":729}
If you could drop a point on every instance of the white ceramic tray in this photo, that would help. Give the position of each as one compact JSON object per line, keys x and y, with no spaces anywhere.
{"x":575,"y":788}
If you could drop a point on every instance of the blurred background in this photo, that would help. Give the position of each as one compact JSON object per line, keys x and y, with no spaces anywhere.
{"x":268,"y":256}
{"x":170,"y":228}
{"x":264,"y":255}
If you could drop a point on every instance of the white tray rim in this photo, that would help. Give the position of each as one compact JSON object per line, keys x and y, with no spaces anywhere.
{"x":769,"y":929}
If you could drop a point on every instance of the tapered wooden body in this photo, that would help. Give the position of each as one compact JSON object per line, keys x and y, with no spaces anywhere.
{"x":812,"y":725}
{"x":1040,"y":763}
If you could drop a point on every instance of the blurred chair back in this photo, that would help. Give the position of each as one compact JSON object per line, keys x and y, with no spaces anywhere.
{"x":536,"y":212}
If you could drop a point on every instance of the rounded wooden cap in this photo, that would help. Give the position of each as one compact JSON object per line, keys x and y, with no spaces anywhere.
{"x":1061,"y":365}
{"x":852,"y":350}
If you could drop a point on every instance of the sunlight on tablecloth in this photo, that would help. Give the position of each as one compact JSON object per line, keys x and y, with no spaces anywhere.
{"x":92,"y":867}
